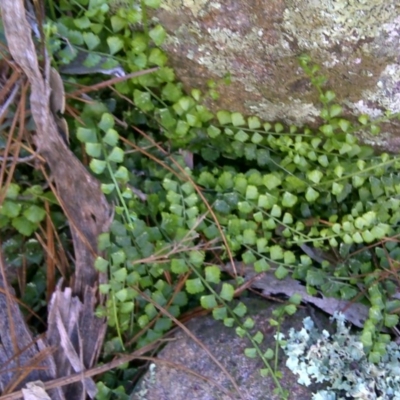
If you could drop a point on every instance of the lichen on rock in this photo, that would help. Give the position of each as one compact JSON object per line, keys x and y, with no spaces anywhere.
{"x":258,"y":43}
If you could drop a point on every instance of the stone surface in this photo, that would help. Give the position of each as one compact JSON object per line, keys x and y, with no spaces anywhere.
{"x":174,"y":381}
{"x":257,"y":43}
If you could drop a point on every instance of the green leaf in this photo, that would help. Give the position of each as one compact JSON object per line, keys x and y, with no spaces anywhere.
{"x":276,"y":211}
{"x":335,"y":110}
{"x":111,"y":138}
{"x":249,"y":237}
{"x":196,"y":257}
{"x":186,"y":103}
{"x":315,"y":277}
{"x":327,"y":130}
{"x":237,"y":119}
{"x":104,"y":288}
{"x":251,"y":192}
{"x":86,"y":135}
{"x":116,"y":155}
{"x":241,"y":136}
{"x":240,"y":310}
{"x":158,"y":35}
{"x":220,"y":313}
{"x":127,"y":308}
{"x":213,"y":131}
{"x":281,"y":272}
{"x":337,"y":188}
{"x":290,"y":309}
{"x":250,"y":352}
{"x":288,"y":199}
{"x":122,"y":294}
{"x":289,"y":257}
{"x":261,"y":266}
{"x":249,"y":323}
{"x":107,"y":188}
{"x":366,"y":339}
{"x":256,"y":138}
{"x":106,"y":122}
{"x":118,"y":257}
{"x":91,"y":40}
{"x":82,"y":23}
{"x":258,"y":337}
{"x":295,"y":299}
{"x":143,"y":100}
{"x":194,"y":286}
{"x":375,"y":130}
{"x":269,"y":354}
{"x":12,"y":191}
{"x":328,"y":96}
{"x":253,"y":123}
{"x":34,"y":214}
{"x":363,"y":119}
{"x":240,"y":331}
{"x":344,"y":125}
{"x":122,"y":174}
{"x":248,"y":257}
{"x":213,"y":274}
{"x":224,"y":117}
{"x":276,"y":252}
{"x":10,"y":209}
{"x":103,"y":241}
{"x":120,"y":275}
{"x":93,"y":149}
{"x":182,"y":128}
{"x":167,"y":119}
{"x":271,"y":181}
{"x":227,"y":292}
{"x":118,"y":23}
{"x":97,"y":166}
{"x":278,"y":127}
{"x":208,"y":301}
{"x":23,"y":226}
{"x":157,"y":57}
{"x":311,"y":195}
{"x":391,"y":320}
{"x":115,"y":44}
{"x":315,"y":176}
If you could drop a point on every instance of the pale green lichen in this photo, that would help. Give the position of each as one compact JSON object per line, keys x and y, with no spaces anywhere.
{"x":340,"y":360}
{"x":147,"y":383}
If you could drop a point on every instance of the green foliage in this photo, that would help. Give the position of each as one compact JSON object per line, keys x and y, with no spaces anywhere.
{"x":23,"y":209}
{"x":273,"y":190}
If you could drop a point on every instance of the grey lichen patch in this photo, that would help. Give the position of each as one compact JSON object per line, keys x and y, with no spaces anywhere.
{"x":322,"y":24}
{"x":387,"y":93}
{"x":295,"y":112}
{"x":194,"y":5}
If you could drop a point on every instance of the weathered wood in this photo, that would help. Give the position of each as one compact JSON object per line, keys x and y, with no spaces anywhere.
{"x":19,"y":352}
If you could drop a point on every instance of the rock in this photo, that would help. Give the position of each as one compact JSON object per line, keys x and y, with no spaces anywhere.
{"x":256,"y":44}
{"x":169,"y":382}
